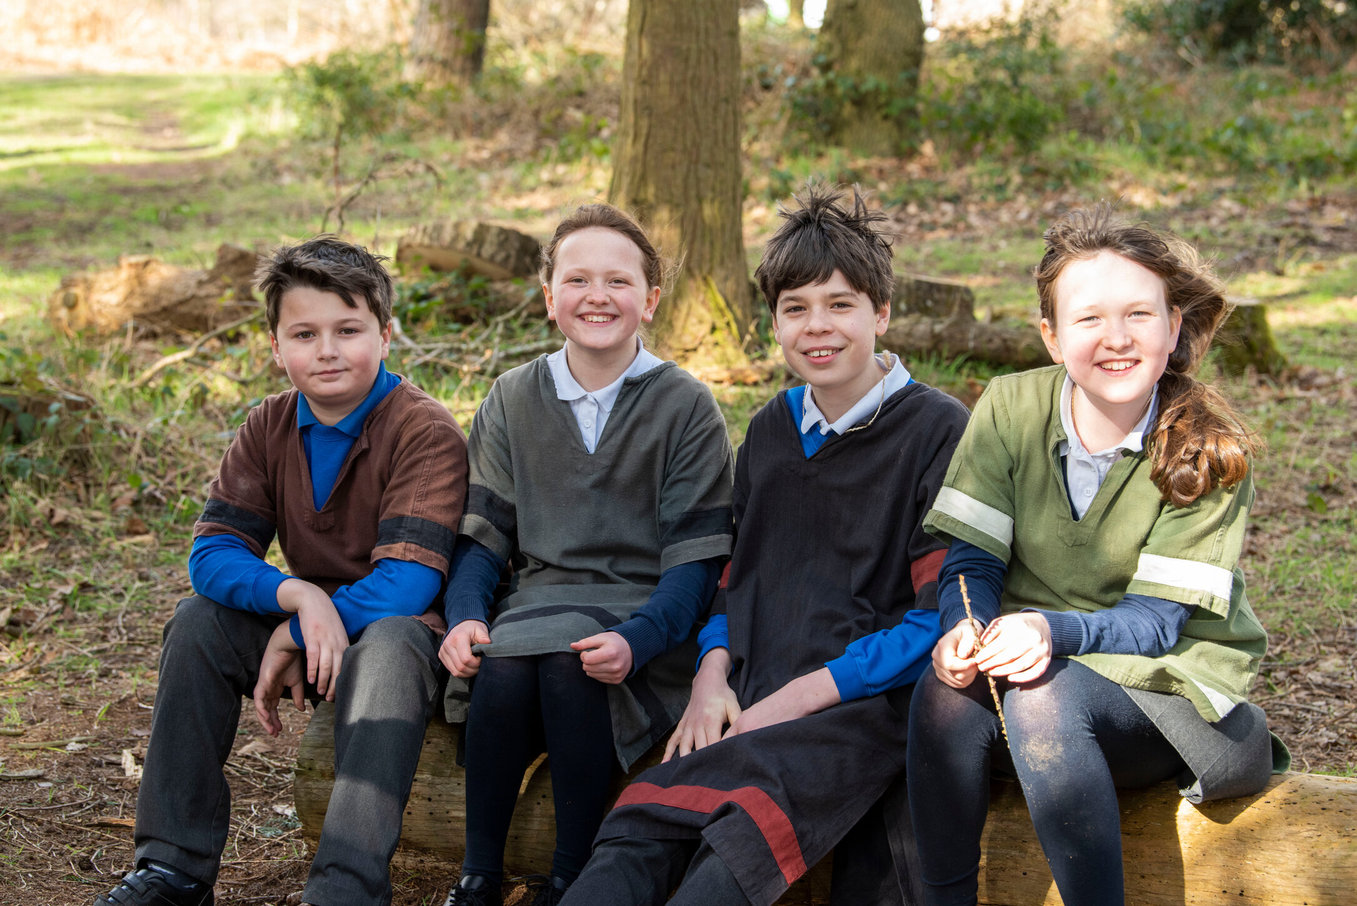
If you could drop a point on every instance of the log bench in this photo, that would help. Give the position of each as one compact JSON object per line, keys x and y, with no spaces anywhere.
{"x":1294,"y":844}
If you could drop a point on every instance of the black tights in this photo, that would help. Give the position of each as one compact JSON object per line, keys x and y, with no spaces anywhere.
{"x":1076,"y":737}
{"x":519,"y":705}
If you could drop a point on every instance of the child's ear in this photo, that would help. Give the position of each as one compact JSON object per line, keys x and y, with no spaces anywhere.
{"x":386,"y":338}
{"x":652,"y":302}
{"x":1052,"y":344}
{"x":277,"y":353}
{"x":883,"y":319}
{"x":551,"y":304}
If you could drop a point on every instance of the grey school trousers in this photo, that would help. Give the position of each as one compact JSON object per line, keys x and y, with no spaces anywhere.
{"x":209,"y":664}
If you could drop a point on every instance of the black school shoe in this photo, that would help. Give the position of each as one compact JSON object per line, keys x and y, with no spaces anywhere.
{"x":157,"y":885}
{"x":474,"y":890}
{"x":550,"y":891}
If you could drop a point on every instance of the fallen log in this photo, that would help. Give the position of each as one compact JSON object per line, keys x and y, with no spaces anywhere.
{"x":157,"y":297}
{"x":495,"y":252}
{"x":1294,"y":844}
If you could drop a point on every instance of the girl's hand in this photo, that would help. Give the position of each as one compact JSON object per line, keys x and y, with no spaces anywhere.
{"x":455,"y":652}
{"x":710,"y":709}
{"x":1016,"y":646}
{"x":606,"y":657}
{"x":279,"y":669}
{"x":954,"y":656}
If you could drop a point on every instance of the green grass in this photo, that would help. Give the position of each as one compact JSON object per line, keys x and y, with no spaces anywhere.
{"x":96,"y":119}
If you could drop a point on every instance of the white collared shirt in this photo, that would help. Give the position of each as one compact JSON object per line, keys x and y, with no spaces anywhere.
{"x":896,"y":377}
{"x":1085,"y":470}
{"x":592,"y":408}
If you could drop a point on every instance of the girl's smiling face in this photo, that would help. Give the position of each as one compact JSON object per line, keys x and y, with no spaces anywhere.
{"x":1114,"y":332}
{"x":598,"y":294}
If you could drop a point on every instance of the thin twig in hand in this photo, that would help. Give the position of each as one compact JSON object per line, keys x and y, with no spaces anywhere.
{"x":993,"y":689}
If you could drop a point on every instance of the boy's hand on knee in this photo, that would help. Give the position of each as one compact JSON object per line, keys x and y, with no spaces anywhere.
{"x":1016,"y":646}
{"x":280,"y":668}
{"x":455,"y":652}
{"x":712,"y":707}
{"x":323,"y":632}
{"x":954,"y":656}
{"x":606,"y":657}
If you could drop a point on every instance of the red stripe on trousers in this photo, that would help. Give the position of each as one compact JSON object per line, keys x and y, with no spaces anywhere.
{"x":771,"y":820}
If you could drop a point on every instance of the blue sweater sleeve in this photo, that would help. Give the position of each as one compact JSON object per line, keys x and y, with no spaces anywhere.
{"x":665,"y":620}
{"x":985,"y":575}
{"x":393,"y":588}
{"x":223,"y":568}
{"x":472,"y":578}
{"x":716,"y":634}
{"x":884,"y":660}
{"x":1137,"y":624}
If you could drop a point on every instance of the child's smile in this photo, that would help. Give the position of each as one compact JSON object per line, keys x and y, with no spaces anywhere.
{"x":599,"y":297}
{"x":828,"y":336}
{"x":1114,"y":333}
{"x":331,"y":352}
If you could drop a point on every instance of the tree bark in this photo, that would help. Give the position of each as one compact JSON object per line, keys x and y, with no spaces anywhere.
{"x":447,"y":46}
{"x":676,"y":165}
{"x":796,"y":13}
{"x":872,"y":50}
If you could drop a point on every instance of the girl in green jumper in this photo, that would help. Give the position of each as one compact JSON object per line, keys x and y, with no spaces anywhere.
{"x":1096,"y":511}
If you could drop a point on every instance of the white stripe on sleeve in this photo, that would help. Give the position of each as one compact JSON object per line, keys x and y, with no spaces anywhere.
{"x":995,"y":523}
{"x":1192,"y":575}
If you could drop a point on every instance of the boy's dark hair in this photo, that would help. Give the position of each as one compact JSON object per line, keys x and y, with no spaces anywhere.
{"x":328,"y":264}
{"x":1198,"y":441}
{"x":822,"y":236}
{"x":606,"y":217}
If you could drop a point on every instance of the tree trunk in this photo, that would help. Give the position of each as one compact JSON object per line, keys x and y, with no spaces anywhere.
{"x":872,"y":50}
{"x":676,"y":165}
{"x":448,"y":43}
{"x":796,"y":13}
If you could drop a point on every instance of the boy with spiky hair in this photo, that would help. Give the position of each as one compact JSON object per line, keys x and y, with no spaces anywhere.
{"x":362,"y":477}
{"x":796,"y":726}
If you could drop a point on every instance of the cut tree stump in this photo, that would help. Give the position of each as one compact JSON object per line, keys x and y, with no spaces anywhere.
{"x":1294,"y":844}
{"x":157,"y":297}
{"x":491,"y":251}
{"x":1245,"y":341}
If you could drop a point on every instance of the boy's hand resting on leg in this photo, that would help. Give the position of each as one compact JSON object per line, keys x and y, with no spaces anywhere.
{"x":803,"y":695}
{"x":280,"y":668}
{"x":455,"y":652}
{"x":606,"y":657}
{"x":322,"y":632}
{"x":1016,"y":646}
{"x":710,"y":709}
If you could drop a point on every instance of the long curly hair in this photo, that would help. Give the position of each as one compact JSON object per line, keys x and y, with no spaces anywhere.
{"x":1198,"y":441}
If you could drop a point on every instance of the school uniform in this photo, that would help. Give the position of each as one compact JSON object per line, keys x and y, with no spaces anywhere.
{"x":830,"y":557}
{"x":396,"y":496}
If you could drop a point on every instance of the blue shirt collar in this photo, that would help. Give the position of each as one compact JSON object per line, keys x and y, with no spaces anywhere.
{"x":352,"y":424}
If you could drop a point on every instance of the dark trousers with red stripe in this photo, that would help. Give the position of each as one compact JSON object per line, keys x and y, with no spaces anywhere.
{"x":641,"y":872}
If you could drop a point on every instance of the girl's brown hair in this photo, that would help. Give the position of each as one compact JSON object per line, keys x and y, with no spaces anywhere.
{"x":1198,"y":441}
{"x":610,"y":218}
